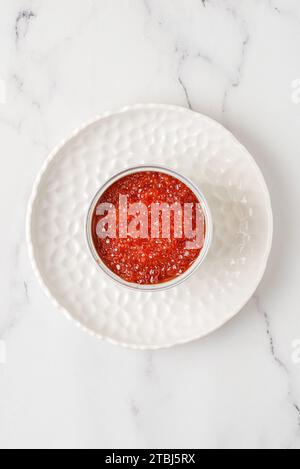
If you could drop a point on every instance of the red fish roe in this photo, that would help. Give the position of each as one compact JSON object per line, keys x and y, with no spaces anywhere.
{"x":146,"y":261}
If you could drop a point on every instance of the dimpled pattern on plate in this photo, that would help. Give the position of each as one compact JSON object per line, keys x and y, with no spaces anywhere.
{"x":197,"y":147}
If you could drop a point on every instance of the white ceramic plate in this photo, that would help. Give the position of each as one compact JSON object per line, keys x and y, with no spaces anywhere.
{"x":193,"y":145}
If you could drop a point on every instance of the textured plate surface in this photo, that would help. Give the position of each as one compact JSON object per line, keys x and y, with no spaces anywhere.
{"x":195,"y":146}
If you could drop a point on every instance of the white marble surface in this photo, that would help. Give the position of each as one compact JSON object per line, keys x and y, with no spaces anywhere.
{"x":63,"y":61}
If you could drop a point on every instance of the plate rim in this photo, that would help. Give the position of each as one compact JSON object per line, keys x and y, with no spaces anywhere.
{"x":34,"y":192}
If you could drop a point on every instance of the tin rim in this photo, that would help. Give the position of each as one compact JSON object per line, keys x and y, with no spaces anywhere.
{"x":196,"y":264}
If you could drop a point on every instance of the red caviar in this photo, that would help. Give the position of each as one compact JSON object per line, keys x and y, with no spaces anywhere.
{"x":151,"y":260}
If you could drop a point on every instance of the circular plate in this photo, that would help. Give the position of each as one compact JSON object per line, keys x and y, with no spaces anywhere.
{"x":197,"y":147}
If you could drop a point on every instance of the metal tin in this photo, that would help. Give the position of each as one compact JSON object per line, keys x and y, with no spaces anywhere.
{"x":192,"y":269}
